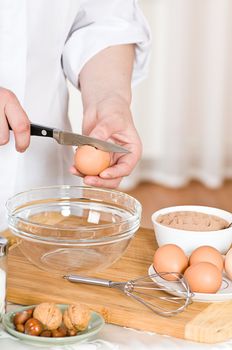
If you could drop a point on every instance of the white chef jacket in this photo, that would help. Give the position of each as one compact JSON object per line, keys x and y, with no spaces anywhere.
{"x":41,"y":44}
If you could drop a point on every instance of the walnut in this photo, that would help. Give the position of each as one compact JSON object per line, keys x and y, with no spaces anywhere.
{"x":77,"y":317}
{"x":49,"y":314}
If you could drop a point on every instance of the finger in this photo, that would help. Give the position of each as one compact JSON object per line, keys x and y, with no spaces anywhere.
{"x":5,"y":97}
{"x":120,"y":169}
{"x":99,"y":182}
{"x":20,"y":125}
{"x":75,"y":172}
{"x":125,"y":164}
{"x":108,"y":127}
{"x":4,"y":129}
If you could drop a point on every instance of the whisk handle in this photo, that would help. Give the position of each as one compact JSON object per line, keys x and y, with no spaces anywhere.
{"x":89,"y":280}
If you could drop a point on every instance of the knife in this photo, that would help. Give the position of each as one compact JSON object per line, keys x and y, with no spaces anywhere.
{"x":71,"y":139}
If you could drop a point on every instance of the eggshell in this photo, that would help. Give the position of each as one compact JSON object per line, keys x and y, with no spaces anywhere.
{"x":203,"y":277}
{"x":170,"y":258}
{"x":207,"y":254}
{"x":228,"y":264}
{"x":90,"y":160}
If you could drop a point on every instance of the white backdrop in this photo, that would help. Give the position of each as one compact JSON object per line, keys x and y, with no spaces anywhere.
{"x":183,"y":108}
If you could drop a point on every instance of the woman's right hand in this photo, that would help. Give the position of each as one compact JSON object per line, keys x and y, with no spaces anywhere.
{"x":12,"y":113}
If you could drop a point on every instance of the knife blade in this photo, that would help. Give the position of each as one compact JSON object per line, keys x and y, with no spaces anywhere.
{"x":69,"y":138}
{"x":72,"y":139}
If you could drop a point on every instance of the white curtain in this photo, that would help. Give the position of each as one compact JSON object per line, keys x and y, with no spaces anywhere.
{"x":183,"y":110}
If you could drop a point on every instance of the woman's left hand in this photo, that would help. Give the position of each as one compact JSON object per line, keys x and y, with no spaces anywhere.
{"x":111,"y":119}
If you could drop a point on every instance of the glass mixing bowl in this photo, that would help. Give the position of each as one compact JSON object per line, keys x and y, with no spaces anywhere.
{"x":71,"y":229}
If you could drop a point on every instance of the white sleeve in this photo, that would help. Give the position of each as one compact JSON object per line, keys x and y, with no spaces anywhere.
{"x":103,"y":23}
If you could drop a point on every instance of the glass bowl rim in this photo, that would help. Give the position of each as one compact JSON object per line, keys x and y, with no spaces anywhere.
{"x":134,"y":218}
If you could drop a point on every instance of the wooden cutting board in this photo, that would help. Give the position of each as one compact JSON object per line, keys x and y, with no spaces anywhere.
{"x":201,"y":322}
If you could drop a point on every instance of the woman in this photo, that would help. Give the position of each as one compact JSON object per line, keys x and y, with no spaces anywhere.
{"x":99,"y":45}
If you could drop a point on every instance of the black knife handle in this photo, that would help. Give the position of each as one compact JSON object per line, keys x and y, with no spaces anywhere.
{"x":39,"y":130}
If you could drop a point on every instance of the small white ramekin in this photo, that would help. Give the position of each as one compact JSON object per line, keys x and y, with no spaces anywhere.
{"x":190,"y":240}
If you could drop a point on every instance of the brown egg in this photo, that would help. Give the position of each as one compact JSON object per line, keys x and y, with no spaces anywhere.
{"x":170,"y":258}
{"x":207,"y":254}
{"x":203,"y":277}
{"x":228,"y":263}
{"x":90,"y":160}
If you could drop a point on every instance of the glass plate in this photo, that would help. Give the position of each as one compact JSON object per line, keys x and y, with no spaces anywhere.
{"x":95,"y":325}
{"x":224,"y":293}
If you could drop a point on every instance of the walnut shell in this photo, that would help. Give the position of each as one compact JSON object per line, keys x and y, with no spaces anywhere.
{"x":49,"y":314}
{"x":77,"y":317}
{"x":67,"y":321}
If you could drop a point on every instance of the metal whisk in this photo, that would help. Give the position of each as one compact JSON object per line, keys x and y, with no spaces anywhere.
{"x":162,"y":296}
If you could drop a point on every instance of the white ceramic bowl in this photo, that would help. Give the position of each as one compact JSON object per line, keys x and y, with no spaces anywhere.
{"x":190,"y":240}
